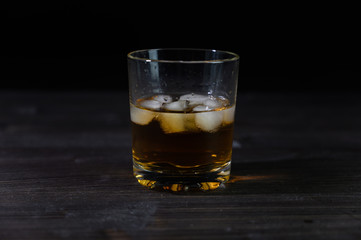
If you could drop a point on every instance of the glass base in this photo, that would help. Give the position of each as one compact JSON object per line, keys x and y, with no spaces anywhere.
{"x":185,"y":182}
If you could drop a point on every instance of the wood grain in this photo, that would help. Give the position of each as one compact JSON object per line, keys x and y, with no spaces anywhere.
{"x":65,"y":171}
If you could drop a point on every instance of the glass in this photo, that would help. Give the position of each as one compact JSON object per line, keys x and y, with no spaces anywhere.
{"x":182,"y":104}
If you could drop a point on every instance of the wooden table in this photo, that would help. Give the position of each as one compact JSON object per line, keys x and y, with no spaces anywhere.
{"x":66,"y":173}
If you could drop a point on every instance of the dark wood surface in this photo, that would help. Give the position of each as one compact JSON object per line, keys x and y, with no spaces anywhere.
{"x":66,"y":173}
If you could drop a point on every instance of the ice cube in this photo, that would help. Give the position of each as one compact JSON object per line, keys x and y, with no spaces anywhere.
{"x":201,"y":108}
{"x":194,"y":99}
{"x":180,"y":105}
{"x":151,"y":104}
{"x":209,"y":121}
{"x":207,"y":105}
{"x":172,"y":122}
{"x":228,"y":115}
{"x":223,"y":101}
{"x":163,"y":98}
{"x":141,"y":116}
{"x":212,"y":103}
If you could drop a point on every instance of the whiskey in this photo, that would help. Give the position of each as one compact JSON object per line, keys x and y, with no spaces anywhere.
{"x":184,"y":138}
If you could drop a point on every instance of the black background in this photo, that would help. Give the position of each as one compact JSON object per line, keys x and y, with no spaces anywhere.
{"x":62,"y":46}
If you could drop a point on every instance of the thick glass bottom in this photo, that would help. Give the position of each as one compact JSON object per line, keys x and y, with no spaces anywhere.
{"x":180,"y":181}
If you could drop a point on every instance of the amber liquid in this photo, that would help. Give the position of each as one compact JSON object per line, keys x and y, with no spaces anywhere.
{"x":177,"y":149}
{"x":181,"y":153}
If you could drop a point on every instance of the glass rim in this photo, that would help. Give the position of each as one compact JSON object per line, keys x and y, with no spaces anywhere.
{"x":233,"y":56}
